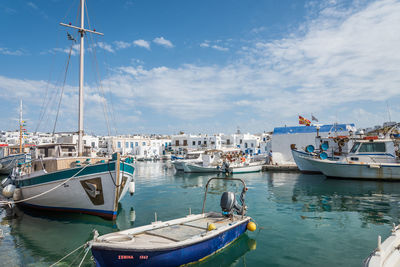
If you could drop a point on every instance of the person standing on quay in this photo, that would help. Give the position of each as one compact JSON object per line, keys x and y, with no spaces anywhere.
{"x":270,"y":158}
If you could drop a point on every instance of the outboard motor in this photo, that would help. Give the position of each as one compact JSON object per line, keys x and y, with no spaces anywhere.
{"x":229,"y":204}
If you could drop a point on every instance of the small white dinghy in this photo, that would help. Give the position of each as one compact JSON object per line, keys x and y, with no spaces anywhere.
{"x":387,"y":254}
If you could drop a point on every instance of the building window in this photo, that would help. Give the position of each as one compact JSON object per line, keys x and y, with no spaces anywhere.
{"x":177,"y":142}
{"x":245,"y":145}
{"x":205,"y":142}
{"x":241,"y":141}
{"x":119,"y":144}
{"x":131,"y":144}
{"x":144,"y":143}
{"x":185,"y":142}
{"x":199,"y":143}
{"x":127,"y":144}
{"x":228,"y":142}
{"x":194,"y":143}
{"x":252,"y":145}
{"x":136,"y":144}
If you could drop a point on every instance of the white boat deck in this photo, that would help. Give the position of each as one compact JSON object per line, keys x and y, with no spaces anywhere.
{"x":170,"y":233}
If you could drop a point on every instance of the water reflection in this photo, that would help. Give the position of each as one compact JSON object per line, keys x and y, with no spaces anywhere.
{"x":232,"y":254}
{"x":376,"y":202}
{"x":48,"y":236}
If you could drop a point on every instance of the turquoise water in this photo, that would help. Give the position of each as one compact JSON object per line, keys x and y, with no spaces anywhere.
{"x":303,"y":220}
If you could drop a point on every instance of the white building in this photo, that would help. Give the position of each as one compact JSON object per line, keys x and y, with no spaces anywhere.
{"x":188,"y":142}
{"x":136,"y":145}
{"x":302,"y":136}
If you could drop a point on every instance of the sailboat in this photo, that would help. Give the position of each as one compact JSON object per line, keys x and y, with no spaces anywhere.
{"x":62,"y":179}
{"x":10,"y":156}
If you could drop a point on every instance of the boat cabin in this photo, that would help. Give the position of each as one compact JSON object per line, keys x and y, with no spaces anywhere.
{"x":54,"y":157}
{"x":374,"y":150}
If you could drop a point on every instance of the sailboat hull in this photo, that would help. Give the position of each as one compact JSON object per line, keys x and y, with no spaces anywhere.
{"x":95,"y":190}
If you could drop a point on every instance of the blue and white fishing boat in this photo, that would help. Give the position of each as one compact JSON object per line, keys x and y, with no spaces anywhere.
{"x":372,"y":158}
{"x":64,"y":179}
{"x":176,"y":242}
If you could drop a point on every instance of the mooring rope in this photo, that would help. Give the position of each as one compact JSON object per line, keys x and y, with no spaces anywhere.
{"x":45,"y":192}
{"x":69,"y":254}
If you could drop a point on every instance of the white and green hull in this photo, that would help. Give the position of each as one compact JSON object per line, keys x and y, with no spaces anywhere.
{"x":96,"y":190}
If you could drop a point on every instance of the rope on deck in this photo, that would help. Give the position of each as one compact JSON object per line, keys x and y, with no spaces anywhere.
{"x":45,"y":192}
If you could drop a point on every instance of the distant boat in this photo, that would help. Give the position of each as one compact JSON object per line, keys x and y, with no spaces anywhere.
{"x":191,"y":157}
{"x":176,"y":242}
{"x":210,"y":163}
{"x":12,"y":156}
{"x":387,"y":253}
{"x":9,"y":161}
{"x":61,"y":178}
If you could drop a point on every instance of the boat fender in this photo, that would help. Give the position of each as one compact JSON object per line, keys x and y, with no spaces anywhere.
{"x":17,"y":194}
{"x":8,"y":191}
{"x":251,"y":226}
{"x":132,"y":187}
{"x":211,"y":227}
{"x":6,"y":181}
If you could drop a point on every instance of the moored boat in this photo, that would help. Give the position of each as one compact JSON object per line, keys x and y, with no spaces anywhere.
{"x":176,"y":242}
{"x":387,"y":254}
{"x":368,"y":159}
{"x":304,"y":165}
{"x":66,"y":179}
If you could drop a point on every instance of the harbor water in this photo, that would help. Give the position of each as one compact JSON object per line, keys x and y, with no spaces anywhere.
{"x":303,"y":220}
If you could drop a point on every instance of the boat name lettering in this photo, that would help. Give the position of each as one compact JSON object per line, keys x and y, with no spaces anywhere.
{"x":125,"y":257}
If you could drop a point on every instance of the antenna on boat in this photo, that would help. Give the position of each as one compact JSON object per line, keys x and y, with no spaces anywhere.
{"x":82,"y":32}
{"x":20,"y":126}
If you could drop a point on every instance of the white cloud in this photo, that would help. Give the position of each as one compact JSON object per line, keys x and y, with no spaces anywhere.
{"x":342,"y":58}
{"x":163,"y":42}
{"x":105,"y":46}
{"x":142,"y":43}
{"x":219,"y":48}
{"x":207,"y":44}
{"x":343,"y":61}
{"x":122,"y":44}
{"x":74,"y":50}
{"x":8,"y":52}
{"x":32,"y":5}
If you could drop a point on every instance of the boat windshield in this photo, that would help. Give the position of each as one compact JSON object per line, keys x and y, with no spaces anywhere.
{"x":355,"y":147}
{"x":373,"y":147}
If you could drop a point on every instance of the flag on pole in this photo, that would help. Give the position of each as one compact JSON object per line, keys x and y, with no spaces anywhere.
{"x":313,"y":118}
{"x":70,"y":37}
{"x":304,"y":121}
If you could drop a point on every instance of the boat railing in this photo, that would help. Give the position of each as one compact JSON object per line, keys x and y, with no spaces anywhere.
{"x":225,"y":179}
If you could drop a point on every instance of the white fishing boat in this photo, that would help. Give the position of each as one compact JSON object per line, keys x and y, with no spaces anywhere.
{"x":256,"y":167}
{"x":242,"y":167}
{"x":387,"y":254}
{"x":199,"y":168}
{"x":300,"y":158}
{"x":62,"y":178}
{"x":191,"y":157}
{"x":210,"y":163}
{"x":368,"y":159}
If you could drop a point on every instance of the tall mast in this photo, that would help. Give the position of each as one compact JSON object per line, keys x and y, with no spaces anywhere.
{"x":20,"y":126}
{"x":81,"y":68}
{"x":82,"y":32}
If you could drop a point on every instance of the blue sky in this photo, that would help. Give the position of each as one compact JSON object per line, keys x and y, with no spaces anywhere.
{"x":202,"y":66}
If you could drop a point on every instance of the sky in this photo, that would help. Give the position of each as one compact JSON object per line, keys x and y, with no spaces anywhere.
{"x":165,"y":66}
